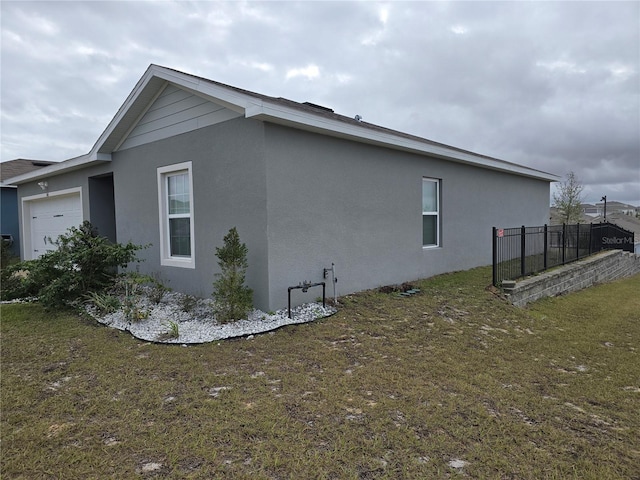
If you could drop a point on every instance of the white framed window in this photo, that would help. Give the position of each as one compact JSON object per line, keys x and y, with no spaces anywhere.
{"x":175,"y":204}
{"x":430,"y":212}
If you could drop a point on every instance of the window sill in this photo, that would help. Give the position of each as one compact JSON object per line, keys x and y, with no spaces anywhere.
{"x":178,"y":262}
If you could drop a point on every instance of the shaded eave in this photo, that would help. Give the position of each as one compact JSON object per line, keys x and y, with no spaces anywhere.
{"x":268,"y":109}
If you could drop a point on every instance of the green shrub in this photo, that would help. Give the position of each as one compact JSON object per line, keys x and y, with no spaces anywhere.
{"x":84,"y":262}
{"x":5,"y":254}
{"x":103,"y":302}
{"x":188,"y":303}
{"x":233,"y":300}
{"x":157,"y":289}
{"x":173,"y":330}
{"x":130,"y":285}
{"x":14,"y":283}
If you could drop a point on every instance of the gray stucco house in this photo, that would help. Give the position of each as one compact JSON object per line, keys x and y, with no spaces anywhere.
{"x":186,"y":158}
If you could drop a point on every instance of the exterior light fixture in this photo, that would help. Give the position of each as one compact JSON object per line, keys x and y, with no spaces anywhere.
{"x":43,"y":185}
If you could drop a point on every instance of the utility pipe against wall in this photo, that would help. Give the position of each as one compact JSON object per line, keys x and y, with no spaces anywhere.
{"x":334,"y":280}
{"x":304,"y":286}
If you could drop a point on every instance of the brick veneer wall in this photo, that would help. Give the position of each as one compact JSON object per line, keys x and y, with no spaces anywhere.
{"x":603,"y":267}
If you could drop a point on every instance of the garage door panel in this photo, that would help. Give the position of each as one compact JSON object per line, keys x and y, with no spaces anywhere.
{"x":50,"y":218}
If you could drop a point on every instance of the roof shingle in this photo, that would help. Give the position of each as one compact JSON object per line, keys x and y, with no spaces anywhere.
{"x":13,"y":168}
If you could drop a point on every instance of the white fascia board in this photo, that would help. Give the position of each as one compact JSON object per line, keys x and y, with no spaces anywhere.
{"x":58,"y":168}
{"x":280,"y":114}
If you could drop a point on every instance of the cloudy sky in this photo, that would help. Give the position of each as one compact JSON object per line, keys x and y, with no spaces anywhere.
{"x":551,"y":85}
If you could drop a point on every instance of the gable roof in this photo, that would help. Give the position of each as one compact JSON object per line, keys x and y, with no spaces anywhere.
{"x":20,"y":166}
{"x":278,"y":110}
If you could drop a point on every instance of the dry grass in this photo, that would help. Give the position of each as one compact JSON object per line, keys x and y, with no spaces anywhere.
{"x":451,"y":383}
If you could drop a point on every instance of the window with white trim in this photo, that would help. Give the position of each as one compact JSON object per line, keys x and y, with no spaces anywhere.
{"x":175,"y":202}
{"x":430,"y":212}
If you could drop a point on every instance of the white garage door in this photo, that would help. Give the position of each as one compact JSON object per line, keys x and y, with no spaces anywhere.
{"x":51,"y":217}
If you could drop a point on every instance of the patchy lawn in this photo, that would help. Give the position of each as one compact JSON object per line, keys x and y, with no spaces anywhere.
{"x":450,"y":383}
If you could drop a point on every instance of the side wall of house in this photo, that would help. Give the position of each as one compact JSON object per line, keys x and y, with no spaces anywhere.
{"x":302,"y":201}
{"x":9,"y":224}
{"x":360,"y":207}
{"x":229,"y":190}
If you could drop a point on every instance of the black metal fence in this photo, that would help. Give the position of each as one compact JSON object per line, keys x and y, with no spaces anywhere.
{"x":522,"y":251}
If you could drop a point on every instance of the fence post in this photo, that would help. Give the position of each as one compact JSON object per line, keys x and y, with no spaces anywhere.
{"x":564,"y":241}
{"x":590,"y":238}
{"x":577,"y":240}
{"x":545,"y":246}
{"x":523,"y":245}
{"x":495,"y":256}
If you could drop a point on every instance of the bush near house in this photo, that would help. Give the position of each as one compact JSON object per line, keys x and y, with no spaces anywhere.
{"x":233,"y":299}
{"x":5,"y":255}
{"x":84,"y":262}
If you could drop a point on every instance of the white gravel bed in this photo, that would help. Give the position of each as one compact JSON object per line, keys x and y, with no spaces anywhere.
{"x":197,"y":324}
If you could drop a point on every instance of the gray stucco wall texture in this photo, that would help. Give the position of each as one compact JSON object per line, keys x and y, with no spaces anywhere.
{"x":360,"y":207}
{"x":302,"y":201}
{"x":229,"y":190}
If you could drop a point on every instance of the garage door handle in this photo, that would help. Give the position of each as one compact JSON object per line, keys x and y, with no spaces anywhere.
{"x":44,"y":239}
{"x":60,"y":215}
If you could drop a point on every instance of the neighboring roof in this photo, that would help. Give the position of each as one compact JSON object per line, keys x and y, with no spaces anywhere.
{"x":614,"y":204}
{"x":555,"y":217}
{"x":20,"y":166}
{"x":269,"y":109}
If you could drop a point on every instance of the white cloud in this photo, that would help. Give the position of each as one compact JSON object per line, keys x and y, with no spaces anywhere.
{"x":311,"y":72}
{"x":621,"y":72}
{"x":11,"y":39}
{"x":561,"y":66}
{"x":383,"y":14}
{"x":343,"y":78}
{"x":41,"y":25}
{"x":378,"y":32}
{"x":262,"y":66}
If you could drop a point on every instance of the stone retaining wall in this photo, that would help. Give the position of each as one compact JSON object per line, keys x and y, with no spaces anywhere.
{"x":603,"y":267}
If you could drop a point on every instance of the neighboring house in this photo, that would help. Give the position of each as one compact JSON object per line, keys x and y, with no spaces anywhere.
{"x":9,"y":224}
{"x":186,"y":158}
{"x":556,"y":217}
{"x":616,"y":207}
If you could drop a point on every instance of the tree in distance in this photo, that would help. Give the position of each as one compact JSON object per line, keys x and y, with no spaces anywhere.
{"x":568,"y":199}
